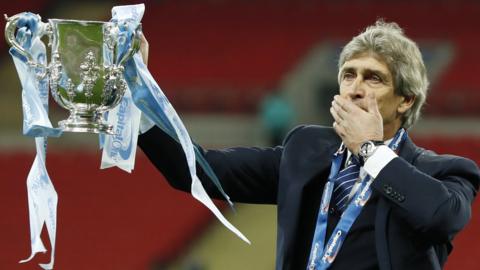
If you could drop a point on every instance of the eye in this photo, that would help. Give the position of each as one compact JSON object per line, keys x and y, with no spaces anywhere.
{"x":375,"y":78}
{"x":348,"y":75}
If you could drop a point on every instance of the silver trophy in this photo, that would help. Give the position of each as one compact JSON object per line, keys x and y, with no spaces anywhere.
{"x":86,"y":69}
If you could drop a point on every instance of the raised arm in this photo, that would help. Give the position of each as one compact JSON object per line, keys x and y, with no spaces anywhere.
{"x":247,"y":174}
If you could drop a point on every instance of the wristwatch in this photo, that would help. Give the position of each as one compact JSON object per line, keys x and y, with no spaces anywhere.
{"x":367,"y":149}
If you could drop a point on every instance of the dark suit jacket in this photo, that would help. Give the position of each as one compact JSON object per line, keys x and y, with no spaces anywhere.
{"x":424,"y":198}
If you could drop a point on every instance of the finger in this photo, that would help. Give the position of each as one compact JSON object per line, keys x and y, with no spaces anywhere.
{"x":353,"y":108}
{"x":372,"y":103}
{"x":347,"y":105}
{"x":335,"y":115}
{"x":144,"y":48}
{"x":347,"y":115}
{"x":342,"y":102}
{"x":339,"y":130}
{"x":338,"y":111}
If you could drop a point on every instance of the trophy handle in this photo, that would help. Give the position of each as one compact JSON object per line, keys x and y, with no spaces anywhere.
{"x":134,"y":48}
{"x":10,"y":29}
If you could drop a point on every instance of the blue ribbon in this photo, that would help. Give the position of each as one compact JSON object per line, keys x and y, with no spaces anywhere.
{"x":152,"y":102}
{"x":120,"y":149}
{"x":147,"y":96}
{"x":321,"y":255}
{"x":42,"y":197}
{"x":146,"y":93}
{"x":34,"y":88}
{"x":150,"y":99}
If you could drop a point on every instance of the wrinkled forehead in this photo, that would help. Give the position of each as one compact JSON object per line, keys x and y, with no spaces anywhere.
{"x":366,"y":61}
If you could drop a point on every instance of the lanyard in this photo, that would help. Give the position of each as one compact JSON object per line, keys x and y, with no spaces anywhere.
{"x":321,"y":255}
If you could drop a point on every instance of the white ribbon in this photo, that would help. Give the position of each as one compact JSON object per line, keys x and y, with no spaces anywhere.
{"x":119,"y":150}
{"x":42,"y":204}
{"x":42,"y":197}
{"x":149,"y":98}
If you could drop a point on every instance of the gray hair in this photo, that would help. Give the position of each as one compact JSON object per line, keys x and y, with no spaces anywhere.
{"x":402,"y":57}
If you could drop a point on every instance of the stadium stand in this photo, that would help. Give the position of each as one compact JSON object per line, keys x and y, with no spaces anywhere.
{"x":245,"y":48}
{"x":222,"y":57}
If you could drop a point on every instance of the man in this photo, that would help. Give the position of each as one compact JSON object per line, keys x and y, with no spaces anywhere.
{"x":359,"y":195}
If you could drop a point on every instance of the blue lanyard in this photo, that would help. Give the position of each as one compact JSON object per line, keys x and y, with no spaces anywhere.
{"x":321,"y":256}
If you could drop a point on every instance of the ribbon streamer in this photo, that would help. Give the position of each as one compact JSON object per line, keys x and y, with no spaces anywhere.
{"x":120,"y":149}
{"x":143,"y":105}
{"x":150,"y":99}
{"x":128,"y":18}
{"x":42,"y":197}
{"x":156,"y":108}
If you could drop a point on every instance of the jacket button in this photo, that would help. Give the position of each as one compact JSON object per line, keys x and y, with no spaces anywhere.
{"x":401,"y":198}
{"x":388,"y":189}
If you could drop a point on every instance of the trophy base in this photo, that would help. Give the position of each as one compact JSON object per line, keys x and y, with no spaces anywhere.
{"x":89,"y":123}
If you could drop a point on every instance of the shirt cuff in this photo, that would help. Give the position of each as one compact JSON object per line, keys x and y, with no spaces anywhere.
{"x":382,"y":156}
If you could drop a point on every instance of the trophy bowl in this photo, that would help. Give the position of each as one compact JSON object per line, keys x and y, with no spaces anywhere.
{"x":86,"y":68}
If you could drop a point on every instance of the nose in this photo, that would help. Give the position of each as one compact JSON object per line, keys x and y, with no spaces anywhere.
{"x":356,"y":89}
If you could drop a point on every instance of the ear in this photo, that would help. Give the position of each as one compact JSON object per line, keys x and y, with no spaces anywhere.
{"x":405,"y":104}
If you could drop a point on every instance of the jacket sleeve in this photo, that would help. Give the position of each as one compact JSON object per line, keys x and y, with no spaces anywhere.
{"x":434,"y":196}
{"x":247,"y":174}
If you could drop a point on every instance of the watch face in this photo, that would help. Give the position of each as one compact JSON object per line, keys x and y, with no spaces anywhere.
{"x":366,"y":148}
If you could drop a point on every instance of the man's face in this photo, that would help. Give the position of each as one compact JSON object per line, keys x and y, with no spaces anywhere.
{"x":364,"y":74}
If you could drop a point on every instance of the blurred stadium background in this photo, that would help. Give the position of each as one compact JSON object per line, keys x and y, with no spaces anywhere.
{"x":219,"y":61}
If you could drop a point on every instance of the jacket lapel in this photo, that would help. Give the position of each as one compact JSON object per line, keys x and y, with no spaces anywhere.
{"x":298,"y":208}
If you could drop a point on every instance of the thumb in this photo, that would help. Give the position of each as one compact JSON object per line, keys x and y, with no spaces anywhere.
{"x":144,"y":47}
{"x":372,"y":103}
